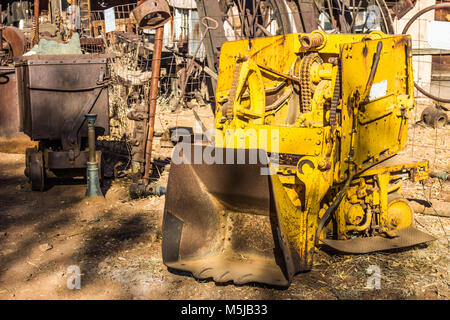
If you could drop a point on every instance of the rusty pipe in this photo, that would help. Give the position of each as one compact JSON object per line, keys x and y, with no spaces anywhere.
{"x":36,"y":22}
{"x":90,"y":118}
{"x":154,"y":82}
{"x":93,"y":166}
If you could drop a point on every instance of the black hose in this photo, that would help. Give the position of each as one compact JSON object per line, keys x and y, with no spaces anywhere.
{"x":327,"y":216}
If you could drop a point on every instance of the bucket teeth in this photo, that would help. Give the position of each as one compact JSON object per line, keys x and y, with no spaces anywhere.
{"x":203,"y":273}
{"x":223,"y":277}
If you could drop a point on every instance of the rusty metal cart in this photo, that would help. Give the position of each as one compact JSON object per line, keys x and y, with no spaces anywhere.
{"x":55,"y":93}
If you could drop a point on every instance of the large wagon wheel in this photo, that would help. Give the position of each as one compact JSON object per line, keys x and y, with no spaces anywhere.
{"x":248,"y":19}
{"x":354,"y":16}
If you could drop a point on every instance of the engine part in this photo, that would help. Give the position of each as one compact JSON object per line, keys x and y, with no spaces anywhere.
{"x":305,"y":155}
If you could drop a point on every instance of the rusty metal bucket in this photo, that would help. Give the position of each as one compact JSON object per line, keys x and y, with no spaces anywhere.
{"x":221,"y":222}
{"x":55,"y":93}
{"x":152,"y":14}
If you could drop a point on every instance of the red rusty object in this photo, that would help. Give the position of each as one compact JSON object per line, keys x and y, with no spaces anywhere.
{"x":36,"y":22}
{"x":16,"y":40}
{"x":152,"y":14}
{"x":156,"y":66}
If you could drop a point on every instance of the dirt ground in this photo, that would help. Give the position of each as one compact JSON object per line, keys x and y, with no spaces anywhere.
{"x":116,"y":243}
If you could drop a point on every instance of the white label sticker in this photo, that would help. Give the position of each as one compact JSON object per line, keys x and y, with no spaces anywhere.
{"x":438,"y":34}
{"x":110,"y":20}
{"x":378,"y":90}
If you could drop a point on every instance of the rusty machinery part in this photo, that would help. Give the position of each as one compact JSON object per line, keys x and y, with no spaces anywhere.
{"x":405,"y":30}
{"x":139,"y":114}
{"x":35,"y":28}
{"x":93,"y":166}
{"x":154,"y":84}
{"x":434,"y":117}
{"x":342,"y":15}
{"x":152,"y":14}
{"x":315,"y":180}
{"x":13,"y":41}
{"x":306,"y":83}
{"x":143,"y":191}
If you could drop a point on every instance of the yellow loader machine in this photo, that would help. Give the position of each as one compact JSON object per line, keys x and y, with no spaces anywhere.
{"x":308,"y":127}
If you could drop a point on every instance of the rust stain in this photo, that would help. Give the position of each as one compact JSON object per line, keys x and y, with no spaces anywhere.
{"x":196,"y":31}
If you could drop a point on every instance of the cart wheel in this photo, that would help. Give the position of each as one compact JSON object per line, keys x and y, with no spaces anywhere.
{"x":434,"y":117}
{"x":36,"y":170}
{"x":28,"y":153}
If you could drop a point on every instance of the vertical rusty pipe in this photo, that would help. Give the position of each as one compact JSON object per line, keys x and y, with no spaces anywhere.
{"x":93,"y":173}
{"x":91,"y":137}
{"x":156,"y":65}
{"x":36,"y":22}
